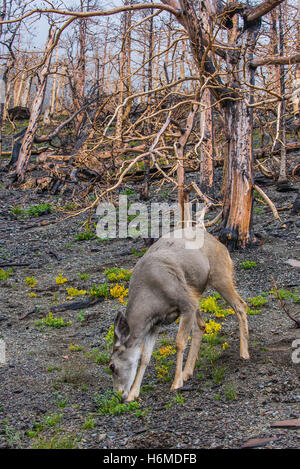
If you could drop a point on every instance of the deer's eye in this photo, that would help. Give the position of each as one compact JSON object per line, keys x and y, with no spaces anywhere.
{"x":112,"y":368}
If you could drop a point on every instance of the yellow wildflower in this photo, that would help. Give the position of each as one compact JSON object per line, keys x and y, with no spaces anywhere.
{"x":60,"y":279}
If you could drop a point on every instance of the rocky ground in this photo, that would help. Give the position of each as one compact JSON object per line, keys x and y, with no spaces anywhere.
{"x":53,"y":380}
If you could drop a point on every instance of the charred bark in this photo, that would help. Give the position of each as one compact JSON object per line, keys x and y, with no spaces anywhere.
{"x":236,"y":229}
{"x":25,"y":151}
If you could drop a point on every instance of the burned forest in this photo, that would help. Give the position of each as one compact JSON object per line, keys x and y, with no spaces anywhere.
{"x":122,"y":121}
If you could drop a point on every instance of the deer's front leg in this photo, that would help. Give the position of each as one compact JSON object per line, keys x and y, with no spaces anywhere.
{"x":199,"y":328}
{"x":145,"y":359}
{"x":184,"y":331}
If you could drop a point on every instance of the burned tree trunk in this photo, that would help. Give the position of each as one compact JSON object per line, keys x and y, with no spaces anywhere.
{"x":36,"y":110}
{"x":236,"y":229}
{"x":207,"y":146}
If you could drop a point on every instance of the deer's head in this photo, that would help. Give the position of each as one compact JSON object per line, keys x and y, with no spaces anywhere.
{"x":124,"y":358}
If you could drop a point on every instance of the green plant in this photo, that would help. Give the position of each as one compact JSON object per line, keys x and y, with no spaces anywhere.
{"x":285,"y":294}
{"x":97,"y":356}
{"x":177,"y":399}
{"x":114,"y":274}
{"x":39,"y":210}
{"x":81,"y":315}
{"x":246,"y":265}
{"x":139,"y":253}
{"x":89,"y":423}
{"x":51,"y":321}
{"x":84,"y":276}
{"x":56,"y":442}
{"x":127,"y":192}
{"x":163,"y":362}
{"x":31,"y":281}
{"x":17,"y":210}
{"x":85,"y":235}
{"x":210,"y":305}
{"x":209,"y":353}
{"x":253,"y":312}
{"x":141,"y":413}
{"x":212,"y":333}
{"x":49,"y":421}
{"x":99,"y":290}
{"x":4,"y":275}
{"x":74,"y":292}
{"x":258,"y":301}
{"x":165,"y":194}
{"x":101,"y":240}
{"x":218,"y":374}
{"x":110,"y":404}
{"x":230,"y":392}
{"x":10,"y":435}
{"x":102,"y":357}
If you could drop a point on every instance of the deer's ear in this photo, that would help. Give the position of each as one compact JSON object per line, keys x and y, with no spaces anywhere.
{"x":121,"y":328}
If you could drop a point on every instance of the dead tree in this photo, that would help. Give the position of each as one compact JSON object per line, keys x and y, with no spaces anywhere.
{"x":42,"y":74}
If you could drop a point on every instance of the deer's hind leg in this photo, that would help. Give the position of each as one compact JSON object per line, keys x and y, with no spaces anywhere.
{"x":225,"y":286}
{"x":199,"y":327}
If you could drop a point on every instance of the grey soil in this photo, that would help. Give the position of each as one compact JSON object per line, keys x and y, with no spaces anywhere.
{"x":42,"y":377}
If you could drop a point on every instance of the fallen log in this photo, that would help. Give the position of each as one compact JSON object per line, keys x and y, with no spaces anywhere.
{"x":77,"y":304}
{"x":263,"y":152}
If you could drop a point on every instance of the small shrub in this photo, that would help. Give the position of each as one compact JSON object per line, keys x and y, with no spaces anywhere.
{"x":39,"y":210}
{"x":211,"y":333}
{"x":81,"y":315}
{"x":89,"y":423}
{"x":31,"y":281}
{"x":84,"y":276}
{"x":127,"y":192}
{"x":75,"y":347}
{"x":139,"y":253}
{"x":85,"y":235}
{"x":110,"y":404}
{"x":247,"y":265}
{"x":60,"y":279}
{"x":56,"y":442}
{"x":17,"y":210}
{"x":99,"y":290}
{"x":258,"y":301}
{"x":114,"y":274}
{"x":119,"y":291}
{"x":101,"y":358}
{"x":5,"y":274}
{"x":253,"y":312}
{"x":51,"y":321}
{"x":230,"y":392}
{"x":218,"y":374}
{"x":163,"y":362}
{"x":74,"y":292}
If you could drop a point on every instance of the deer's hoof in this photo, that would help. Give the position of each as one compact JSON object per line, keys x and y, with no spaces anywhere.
{"x":132,"y":397}
{"x":187,"y":375}
{"x":177,"y":385}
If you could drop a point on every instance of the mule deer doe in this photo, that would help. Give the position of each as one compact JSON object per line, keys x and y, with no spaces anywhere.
{"x":166,"y":283}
